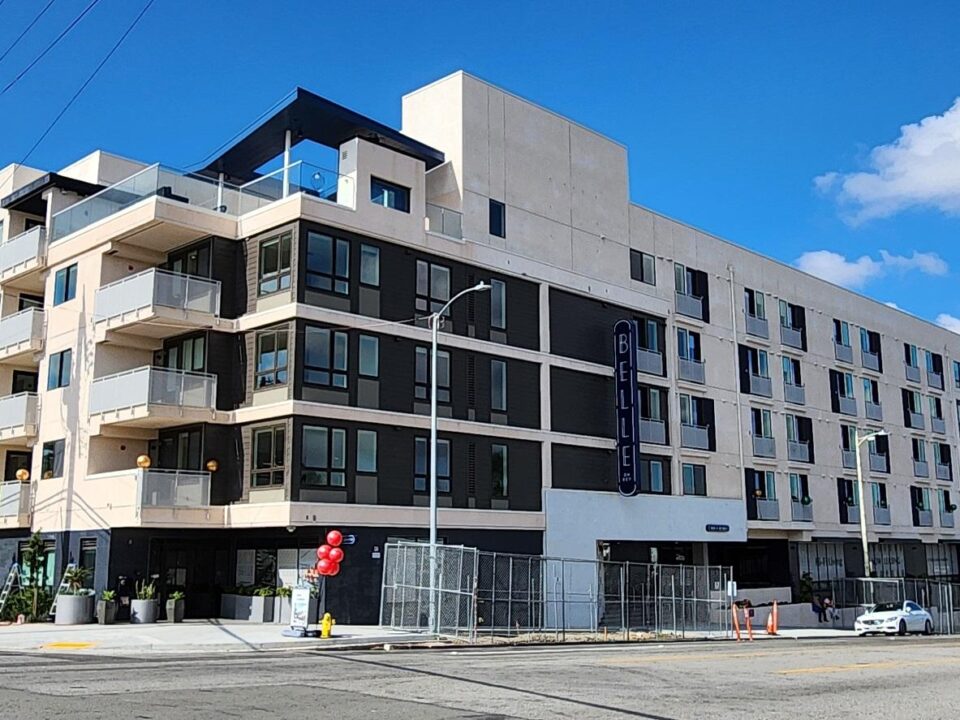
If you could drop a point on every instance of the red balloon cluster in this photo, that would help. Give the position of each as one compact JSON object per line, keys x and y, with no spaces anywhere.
{"x":330,"y":554}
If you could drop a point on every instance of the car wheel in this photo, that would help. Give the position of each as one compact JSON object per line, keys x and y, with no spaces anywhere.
{"x":902,"y":629}
{"x":928,"y":628}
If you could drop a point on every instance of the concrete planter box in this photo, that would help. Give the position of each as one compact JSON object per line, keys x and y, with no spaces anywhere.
{"x":175,"y":610}
{"x":281,"y":610}
{"x":74,"y":609}
{"x":106,"y":612}
{"x":144,"y":612}
{"x":247,"y":607}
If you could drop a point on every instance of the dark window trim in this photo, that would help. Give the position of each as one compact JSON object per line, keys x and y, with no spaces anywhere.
{"x":275,"y":473}
{"x":59,"y":369}
{"x":336,"y":279}
{"x":326,"y":372}
{"x":279,"y":373}
{"x":281,"y":274}
{"x":330,"y":473}
{"x":400,"y":192}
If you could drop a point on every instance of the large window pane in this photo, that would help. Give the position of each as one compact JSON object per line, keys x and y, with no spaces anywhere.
{"x":370,"y":265}
{"x":498,"y":385}
{"x":366,"y":451}
{"x":498,"y":470}
{"x":498,"y":305}
{"x":369,"y":362}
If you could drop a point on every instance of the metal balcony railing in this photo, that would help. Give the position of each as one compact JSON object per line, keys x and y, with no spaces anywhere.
{"x":944,"y":472}
{"x":922,"y":518}
{"x":879,"y":462}
{"x":921,"y":469}
{"x":915,"y":419}
{"x":764,"y":446}
{"x":14,"y":498}
{"x":795,"y":394}
{"x":798,"y":451}
{"x":801,"y":512}
{"x":847,"y":405}
{"x":757,"y":326}
{"x":692,"y":370}
{"x":848,"y":458}
{"x":935,"y":379}
{"x":18,"y":410}
{"x":841,"y":352}
{"x":760,"y":385}
{"x":696,"y":437}
{"x":946,"y":519}
{"x":649,"y":361}
{"x":28,"y":246}
{"x":792,"y":337}
{"x":912,"y":373}
{"x":869,"y":360}
{"x":690,"y":305}
{"x":768,"y":509}
{"x":653,"y":431}
{"x":881,"y":515}
{"x":146,"y":386}
{"x":938,"y":425}
{"x":157,"y":288}
{"x":873,"y":411}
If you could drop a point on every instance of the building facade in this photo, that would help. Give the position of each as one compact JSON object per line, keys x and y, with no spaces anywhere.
{"x":203,"y":372}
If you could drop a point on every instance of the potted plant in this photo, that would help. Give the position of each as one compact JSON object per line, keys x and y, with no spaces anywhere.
{"x":176,"y":606}
{"x":144,"y":608}
{"x":75,"y":604}
{"x":107,"y":608}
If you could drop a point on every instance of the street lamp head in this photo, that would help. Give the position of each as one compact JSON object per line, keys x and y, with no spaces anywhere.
{"x":481,"y":286}
{"x":882,"y":433}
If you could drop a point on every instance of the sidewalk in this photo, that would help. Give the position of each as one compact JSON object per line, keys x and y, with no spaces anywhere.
{"x":190,"y":637}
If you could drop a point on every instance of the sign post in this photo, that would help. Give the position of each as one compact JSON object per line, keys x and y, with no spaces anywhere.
{"x":628,"y":406}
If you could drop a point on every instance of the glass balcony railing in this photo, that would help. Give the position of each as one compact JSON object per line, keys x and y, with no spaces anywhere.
{"x":14,"y":498}
{"x":26,"y":247}
{"x":18,"y":411}
{"x":154,"y":181}
{"x":174,"y":488}
{"x":147,"y":386}
{"x":21,"y":331}
{"x":444,"y":221}
{"x":298,"y":177}
{"x":162,"y":288}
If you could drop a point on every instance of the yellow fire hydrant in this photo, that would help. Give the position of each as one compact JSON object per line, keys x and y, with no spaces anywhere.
{"x":326,"y":625}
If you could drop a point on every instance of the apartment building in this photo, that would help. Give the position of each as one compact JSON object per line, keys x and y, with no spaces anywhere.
{"x":203,"y":372}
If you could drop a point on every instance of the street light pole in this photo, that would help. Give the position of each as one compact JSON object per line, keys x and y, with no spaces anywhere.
{"x":867,"y":569}
{"x":434,"y":322}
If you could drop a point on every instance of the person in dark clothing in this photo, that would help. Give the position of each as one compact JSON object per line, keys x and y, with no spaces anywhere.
{"x":819,"y":609}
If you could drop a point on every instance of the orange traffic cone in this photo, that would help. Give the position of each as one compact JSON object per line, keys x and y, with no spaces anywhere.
{"x":772,"y":620}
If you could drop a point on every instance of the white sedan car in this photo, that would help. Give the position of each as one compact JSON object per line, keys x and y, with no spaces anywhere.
{"x":899,"y":618}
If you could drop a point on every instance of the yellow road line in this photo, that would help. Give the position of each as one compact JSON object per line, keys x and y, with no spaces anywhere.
{"x":67,"y":645}
{"x":886,"y":665}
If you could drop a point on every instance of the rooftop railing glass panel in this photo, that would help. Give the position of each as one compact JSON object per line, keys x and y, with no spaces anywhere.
{"x":298,"y":177}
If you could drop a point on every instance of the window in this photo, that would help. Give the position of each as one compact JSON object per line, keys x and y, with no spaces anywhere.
{"x":792,"y":435}
{"x":498,"y":385}
{"x":51,"y":459}
{"x":841,"y":332}
{"x":946,"y":504}
{"x":274,"y":273}
{"x":956,"y":374}
{"x":914,"y":402}
{"x":269,"y":448}
{"x":651,"y":477}
{"x":369,"y":362}
{"x":910,"y":355}
{"x":24,"y":381}
{"x":370,"y":265}
{"x":498,"y":305}
{"x":769,"y":485}
{"x":65,"y":285}
{"x":694,"y":479}
{"x":422,"y":378}
{"x":58,"y":371}
{"x":366,"y":451}
{"x":25,"y":302}
{"x":762,"y":425}
{"x":88,"y":558}
{"x":758,"y":363}
{"x":271,"y":358}
{"x":649,"y":336}
{"x":848,"y":435}
{"x":871,"y":391}
{"x":936,"y":408}
{"x":15,"y":460}
{"x":849,"y":492}
{"x":919,"y":450}
{"x":643,"y":267}
{"x":651,"y":403}
{"x":498,"y":470}
{"x":754,"y":303}
{"x":498,"y":218}
{"x":187,"y":353}
{"x":328,"y":264}
{"x":323,"y":456}
{"x":879,"y":493}
{"x":688,"y":344}
{"x":920,"y":497}
{"x":325,"y":357}
{"x":422,"y":461}
{"x":791,"y":371}
{"x":799,"y":488}
{"x":389,"y":195}
{"x":688,"y":410}
{"x":433,"y":286}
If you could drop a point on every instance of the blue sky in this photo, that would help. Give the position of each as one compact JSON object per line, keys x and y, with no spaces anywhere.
{"x":778,"y":126}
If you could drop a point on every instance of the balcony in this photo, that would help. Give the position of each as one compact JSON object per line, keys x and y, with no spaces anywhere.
{"x":692,"y":371}
{"x":757,"y":326}
{"x":795,"y":394}
{"x":768,"y":509}
{"x":690,"y":305}
{"x":156,"y":304}
{"x":649,"y":361}
{"x":915,"y":420}
{"x":443,"y":221}
{"x":921,"y":469}
{"x":23,"y":253}
{"x":300,"y":177}
{"x":653,"y":431}
{"x":14,"y":504}
{"x":870,"y":360}
{"x":760,"y":385}
{"x":153,"y":397}
{"x":946,"y":519}
{"x":879,"y":462}
{"x":159,"y":195}
{"x":21,"y":335}
{"x":938,"y":425}
{"x":912,"y":373}
{"x":174,"y":488}
{"x":696,"y":437}
{"x":935,"y":379}
{"x":801,"y":512}
{"x":152,"y":498}
{"x":944,"y":472}
{"x":847,"y":405}
{"x":881,"y":515}
{"x":849,"y":514}
{"x":873,"y":411}
{"x":792,"y":337}
{"x":848,"y":458}
{"x":764,"y":446}
{"x":922,"y":518}
{"x":843,"y":353}
{"x":18,"y":418}
{"x":798,"y":451}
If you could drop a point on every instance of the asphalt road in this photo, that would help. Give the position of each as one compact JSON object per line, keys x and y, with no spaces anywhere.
{"x":878,"y":677}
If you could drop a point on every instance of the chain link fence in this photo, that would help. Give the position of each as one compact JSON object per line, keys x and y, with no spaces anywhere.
{"x":477,"y":594}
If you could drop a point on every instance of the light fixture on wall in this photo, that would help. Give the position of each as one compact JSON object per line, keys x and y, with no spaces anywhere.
{"x":291,"y":528}
{"x":212,"y":465}
{"x":144,"y":461}
{"x":22,"y":474}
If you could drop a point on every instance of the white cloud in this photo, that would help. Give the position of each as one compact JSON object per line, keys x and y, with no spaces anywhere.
{"x":834,"y":267}
{"x":949,"y":322}
{"x":921,"y":168}
{"x":892,"y":305}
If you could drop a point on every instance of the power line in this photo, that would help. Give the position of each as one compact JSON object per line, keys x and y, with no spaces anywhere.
{"x":90,"y":78}
{"x":50,"y":47}
{"x":26,"y":29}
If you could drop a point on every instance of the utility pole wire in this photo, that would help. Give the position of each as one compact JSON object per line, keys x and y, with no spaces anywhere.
{"x":49,"y":47}
{"x":89,"y":79}
{"x":26,"y":29}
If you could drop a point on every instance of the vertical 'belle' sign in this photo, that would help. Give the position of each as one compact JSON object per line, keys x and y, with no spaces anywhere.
{"x":625,"y":364}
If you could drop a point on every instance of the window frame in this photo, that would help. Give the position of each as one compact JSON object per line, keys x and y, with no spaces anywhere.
{"x":52,"y":457}
{"x":282,"y":275}
{"x":421,"y":465}
{"x":332,"y":468}
{"x":498,"y":369}
{"x":421,"y":389}
{"x":333,"y":276}
{"x":363,"y":356}
{"x":498,"y":304}
{"x":695,"y":483}
{"x":364,"y":436}
{"x":369,"y":251}
{"x":639,"y":270}
{"x":276,"y":370}
{"x":499,"y":487}
{"x":498,"y":212}
{"x":330,"y":367}
{"x":386,"y":194}
{"x":59,"y":368}
{"x":426,"y":301}
{"x":275,"y":470}
{"x":65,"y":285}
